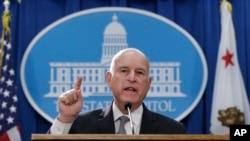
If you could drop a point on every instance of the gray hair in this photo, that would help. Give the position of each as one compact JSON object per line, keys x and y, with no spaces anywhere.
{"x":111,"y":69}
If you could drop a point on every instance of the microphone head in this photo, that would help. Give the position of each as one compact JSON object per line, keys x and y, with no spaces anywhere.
{"x":127,"y":105}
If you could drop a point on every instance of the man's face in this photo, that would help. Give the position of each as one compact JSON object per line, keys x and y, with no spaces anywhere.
{"x":130,"y":79}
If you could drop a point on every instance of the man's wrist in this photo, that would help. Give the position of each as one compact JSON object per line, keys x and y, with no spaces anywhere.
{"x":65,"y":119}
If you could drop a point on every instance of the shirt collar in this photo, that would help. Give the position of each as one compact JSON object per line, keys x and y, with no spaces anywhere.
{"x":136,"y":114}
{"x":116,"y":112}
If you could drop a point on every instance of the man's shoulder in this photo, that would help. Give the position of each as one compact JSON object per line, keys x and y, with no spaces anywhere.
{"x":95,"y":114}
{"x":91,"y":113}
{"x":163,"y":118}
{"x":156,"y":123}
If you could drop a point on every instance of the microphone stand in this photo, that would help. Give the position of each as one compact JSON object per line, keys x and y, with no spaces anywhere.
{"x":127,"y":107}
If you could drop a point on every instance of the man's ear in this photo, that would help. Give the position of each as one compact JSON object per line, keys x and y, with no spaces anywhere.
{"x":108,"y":78}
{"x":149,"y":81}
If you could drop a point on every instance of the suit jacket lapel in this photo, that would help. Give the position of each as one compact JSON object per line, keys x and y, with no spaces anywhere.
{"x":106,"y":121}
{"x":147,"y":124}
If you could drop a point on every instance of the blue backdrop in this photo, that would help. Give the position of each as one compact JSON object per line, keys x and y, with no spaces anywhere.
{"x":201,"y":18}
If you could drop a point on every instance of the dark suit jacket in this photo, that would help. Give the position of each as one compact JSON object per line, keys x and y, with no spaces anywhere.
{"x":101,"y":121}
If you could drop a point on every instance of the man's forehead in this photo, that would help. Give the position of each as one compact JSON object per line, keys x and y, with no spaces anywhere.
{"x":125,"y":66}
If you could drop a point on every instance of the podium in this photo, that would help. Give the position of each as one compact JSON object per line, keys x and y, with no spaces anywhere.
{"x":142,"y":137}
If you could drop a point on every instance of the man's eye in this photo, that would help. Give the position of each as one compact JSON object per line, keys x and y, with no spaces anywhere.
{"x":123,"y":70}
{"x":139,"y":72}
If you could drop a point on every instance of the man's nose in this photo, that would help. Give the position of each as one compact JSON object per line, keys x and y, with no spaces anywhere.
{"x":132,"y":76}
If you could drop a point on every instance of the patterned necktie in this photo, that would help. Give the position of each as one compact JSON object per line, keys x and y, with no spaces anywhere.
{"x":123,"y":120}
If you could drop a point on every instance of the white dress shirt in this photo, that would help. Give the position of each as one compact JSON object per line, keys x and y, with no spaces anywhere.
{"x":59,"y":128}
{"x":136,"y":118}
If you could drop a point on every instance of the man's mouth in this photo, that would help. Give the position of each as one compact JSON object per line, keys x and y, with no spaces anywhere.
{"x":130,"y":89}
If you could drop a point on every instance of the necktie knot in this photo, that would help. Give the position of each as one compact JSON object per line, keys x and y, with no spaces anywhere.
{"x":123,"y":121}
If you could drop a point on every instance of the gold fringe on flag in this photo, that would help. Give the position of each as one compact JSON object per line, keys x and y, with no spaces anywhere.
{"x":5,"y":28}
{"x":229,"y":6}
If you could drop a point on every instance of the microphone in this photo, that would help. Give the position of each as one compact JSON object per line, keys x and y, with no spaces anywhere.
{"x":128,"y":107}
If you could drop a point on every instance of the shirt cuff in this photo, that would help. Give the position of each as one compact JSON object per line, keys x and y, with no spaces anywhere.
{"x":59,"y":128}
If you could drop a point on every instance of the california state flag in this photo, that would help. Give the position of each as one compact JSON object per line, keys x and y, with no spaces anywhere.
{"x":230,"y":104}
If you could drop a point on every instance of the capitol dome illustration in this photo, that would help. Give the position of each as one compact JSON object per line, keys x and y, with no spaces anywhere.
{"x":115,"y":28}
{"x":115,"y":39}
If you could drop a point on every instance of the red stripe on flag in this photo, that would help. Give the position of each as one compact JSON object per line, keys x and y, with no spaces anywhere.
{"x":4,"y":137}
{"x":12,"y":134}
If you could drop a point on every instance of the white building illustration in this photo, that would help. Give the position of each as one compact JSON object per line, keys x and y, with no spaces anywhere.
{"x":166,"y":79}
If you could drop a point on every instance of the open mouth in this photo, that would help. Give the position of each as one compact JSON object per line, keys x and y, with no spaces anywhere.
{"x":131,"y":89}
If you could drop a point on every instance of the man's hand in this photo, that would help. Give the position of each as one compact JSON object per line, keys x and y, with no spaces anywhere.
{"x":70,"y":103}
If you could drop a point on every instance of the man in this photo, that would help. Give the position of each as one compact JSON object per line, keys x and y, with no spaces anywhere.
{"x":129,"y":80}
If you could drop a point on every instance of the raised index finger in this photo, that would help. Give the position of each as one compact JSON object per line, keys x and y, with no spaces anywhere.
{"x":78,"y":83}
